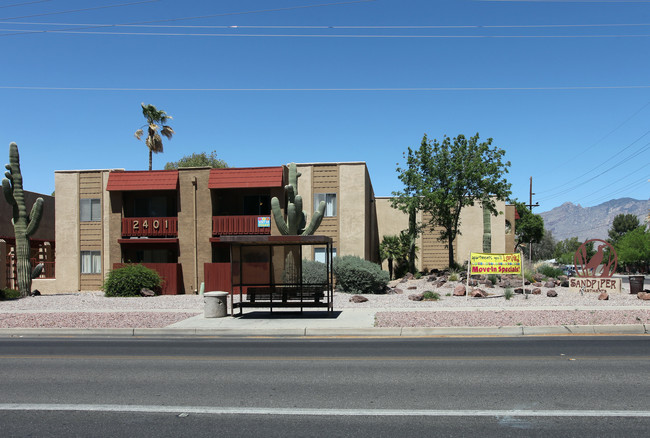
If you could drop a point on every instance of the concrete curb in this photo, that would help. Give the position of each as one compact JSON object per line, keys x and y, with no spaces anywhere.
{"x":517,"y":331}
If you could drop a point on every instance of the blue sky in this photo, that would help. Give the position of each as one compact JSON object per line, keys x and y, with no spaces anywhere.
{"x":562,"y":86}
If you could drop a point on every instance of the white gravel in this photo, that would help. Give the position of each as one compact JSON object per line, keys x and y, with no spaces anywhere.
{"x":93,"y":310}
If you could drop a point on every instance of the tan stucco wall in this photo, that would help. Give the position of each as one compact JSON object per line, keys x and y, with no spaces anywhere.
{"x":193,"y":228}
{"x":67,"y":231}
{"x":471,"y":228}
{"x":352,"y":210}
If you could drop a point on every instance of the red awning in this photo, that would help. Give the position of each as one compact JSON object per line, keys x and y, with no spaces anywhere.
{"x":142,"y":180}
{"x":147,"y":241}
{"x":246,"y":177}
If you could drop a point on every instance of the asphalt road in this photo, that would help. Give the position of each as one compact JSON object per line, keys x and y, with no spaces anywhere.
{"x":548,"y":386}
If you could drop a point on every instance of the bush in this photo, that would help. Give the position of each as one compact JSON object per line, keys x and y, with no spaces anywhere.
{"x":509,"y":293}
{"x":549,"y":271}
{"x":429,"y":295}
{"x":355,"y":275}
{"x":454,"y":276}
{"x":493,"y":278}
{"x":129,"y":280}
{"x":9,"y":294}
{"x":314,"y":272}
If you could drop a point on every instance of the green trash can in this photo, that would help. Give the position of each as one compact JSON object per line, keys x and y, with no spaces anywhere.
{"x":636,"y":283}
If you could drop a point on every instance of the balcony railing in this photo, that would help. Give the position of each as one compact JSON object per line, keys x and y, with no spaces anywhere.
{"x":149,"y":227}
{"x":238,"y":225}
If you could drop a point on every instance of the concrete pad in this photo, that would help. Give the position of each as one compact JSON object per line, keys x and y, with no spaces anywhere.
{"x":553,"y":330}
{"x":627,"y":329}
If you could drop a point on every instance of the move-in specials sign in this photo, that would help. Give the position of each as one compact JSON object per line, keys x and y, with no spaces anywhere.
{"x":495,"y":263}
{"x":264,"y":222}
{"x":577,"y":284}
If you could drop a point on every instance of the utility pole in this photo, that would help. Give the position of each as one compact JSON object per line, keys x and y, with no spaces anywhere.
{"x":530,"y":206}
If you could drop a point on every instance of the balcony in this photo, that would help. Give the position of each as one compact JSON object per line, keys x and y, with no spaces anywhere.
{"x":150,"y":227}
{"x":240,"y":225}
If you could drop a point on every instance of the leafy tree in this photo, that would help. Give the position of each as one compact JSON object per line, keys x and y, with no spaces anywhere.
{"x":441,"y":178}
{"x":622,"y":224}
{"x":198,"y":160}
{"x":633,"y":248}
{"x":545,"y":249}
{"x":529,"y":228}
{"x":565,"y":250}
{"x":156,"y":120}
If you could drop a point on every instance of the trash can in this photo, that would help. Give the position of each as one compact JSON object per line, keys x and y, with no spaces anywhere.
{"x":636,"y":283}
{"x":216,"y":304}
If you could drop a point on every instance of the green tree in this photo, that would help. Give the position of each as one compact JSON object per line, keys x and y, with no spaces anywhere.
{"x":389,"y":249}
{"x":622,"y":224}
{"x":529,"y":228}
{"x":156,"y":121}
{"x":441,"y":178}
{"x":633,"y":248}
{"x":565,"y":250}
{"x":198,"y":160}
{"x":545,"y":249}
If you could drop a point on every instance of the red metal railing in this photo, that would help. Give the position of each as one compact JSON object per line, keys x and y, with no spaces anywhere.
{"x":149,"y":227}
{"x":237,"y":225}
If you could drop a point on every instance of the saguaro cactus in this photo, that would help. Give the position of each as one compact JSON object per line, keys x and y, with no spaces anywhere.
{"x":296,"y":217}
{"x":24,"y":225}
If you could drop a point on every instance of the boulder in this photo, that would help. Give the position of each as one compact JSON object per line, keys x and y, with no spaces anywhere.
{"x":412,"y":288}
{"x":415,"y":297}
{"x":538,"y":284}
{"x":538,"y":277}
{"x":551,"y":293}
{"x":439,"y":283}
{"x":398,"y":291}
{"x":478,"y":293}
{"x":519,"y":290}
{"x":144,"y":292}
{"x":472,"y":282}
{"x":603,"y":296}
{"x":537,"y":291}
{"x":459,"y":290}
{"x":488,"y":283}
{"x":549,"y":284}
{"x":645,"y":296}
{"x":36,"y":293}
{"x":431,"y":278}
{"x":358,"y":299}
{"x":563,"y":278}
{"x":565,"y":283}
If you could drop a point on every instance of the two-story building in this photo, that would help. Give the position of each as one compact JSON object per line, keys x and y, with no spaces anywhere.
{"x":173,"y":221}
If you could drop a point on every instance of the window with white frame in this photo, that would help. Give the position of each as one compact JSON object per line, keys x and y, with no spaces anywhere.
{"x":91,"y":262}
{"x":330,"y":203}
{"x":319,"y":254}
{"x":90,"y":210}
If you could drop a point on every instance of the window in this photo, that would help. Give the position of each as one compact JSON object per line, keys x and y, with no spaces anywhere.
{"x":319,"y":254}
{"x":330,"y":203}
{"x":90,"y":210}
{"x":154,"y":206}
{"x":91,"y":262}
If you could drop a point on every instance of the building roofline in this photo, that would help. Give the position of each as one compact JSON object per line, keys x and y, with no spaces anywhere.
{"x":89,"y":170}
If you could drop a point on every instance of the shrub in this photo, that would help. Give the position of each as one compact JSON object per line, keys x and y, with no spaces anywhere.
{"x":493,"y":278}
{"x":430,"y":295}
{"x":549,"y":271}
{"x":9,"y":294}
{"x":356,"y":275}
{"x":509,"y":293}
{"x":129,"y":280}
{"x":453,"y":276}
{"x":314,"y":272}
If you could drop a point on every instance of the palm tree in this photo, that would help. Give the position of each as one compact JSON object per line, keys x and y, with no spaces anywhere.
{"x":390,"y":249}
{"x":154,"y":118}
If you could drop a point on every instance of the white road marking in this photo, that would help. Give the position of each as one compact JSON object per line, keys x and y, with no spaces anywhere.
{"x":319,"y":411}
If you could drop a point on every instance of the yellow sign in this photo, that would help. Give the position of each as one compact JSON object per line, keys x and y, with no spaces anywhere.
{"x":495,"y":263}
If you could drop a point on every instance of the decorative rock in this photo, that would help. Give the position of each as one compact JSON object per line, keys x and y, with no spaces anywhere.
{"x":563,"y":278}
{"x":398,"y":291}
{"x":565,"y":283}
{"x":549,"y":284}
{"x":645,"y":296}
{"x":412,"y":288}
{"x":358,"y":299}
{"x":431,"y":278}
{"x":526,"y":282}
{"x":551,"y":293}
{"x":415,"y":297}
{"x":440,"y":283}
{"x":538,"y":284}
{"x":603,"y":296}
{"x":519,"y":290}
{"x":537,"y":291}
{"x":478,"y":293}
{"x":36,"y":293}
{"x":488,"y":283}
{"x":459,"y":291}
{"x":472,"y":282}
{"x":144,"y":292}
{"x":538,"y":277}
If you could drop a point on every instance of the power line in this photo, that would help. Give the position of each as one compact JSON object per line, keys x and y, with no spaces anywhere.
{"x":397,"y":89}
{"x":80,"y":10}
{"x":24,"y":3}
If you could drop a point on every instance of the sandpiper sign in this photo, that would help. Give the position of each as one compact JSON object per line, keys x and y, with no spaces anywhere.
{"x":594,"y":274}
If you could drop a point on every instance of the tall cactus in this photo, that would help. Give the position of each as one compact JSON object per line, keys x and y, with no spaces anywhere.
{"x":487,"y":230}
{"x":24,"y":225}
{"x":296,"y":218}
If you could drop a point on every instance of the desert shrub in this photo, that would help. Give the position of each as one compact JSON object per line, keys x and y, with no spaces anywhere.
{"x":453,"y":276}
{"x":356,"y":275}
{"x":528,"y":274}
{"x":314,"y":272}
{"x":9,"y":294}
{"x":430,"y":295}
{"x":549,"y":271}
{"x":417,"y":275}
{"x":509,"y":293}
{"x":129,"y":280}
{"x":494,"y":278}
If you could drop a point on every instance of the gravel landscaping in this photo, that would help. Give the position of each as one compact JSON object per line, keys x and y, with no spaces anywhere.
{"x":93,"y":310}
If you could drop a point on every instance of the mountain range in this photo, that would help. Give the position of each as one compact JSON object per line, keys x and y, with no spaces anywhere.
{"x":569,"y":220}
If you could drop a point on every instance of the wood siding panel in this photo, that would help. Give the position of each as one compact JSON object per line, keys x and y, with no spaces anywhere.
{"x":434,"y":253}
{"x":325,"y":179}
{"x":91,"y":281}
{"x":90,"y":185}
